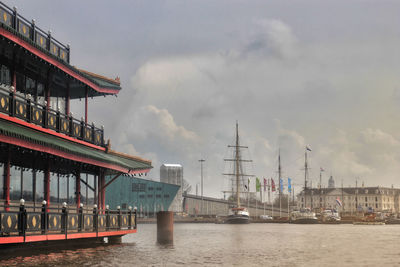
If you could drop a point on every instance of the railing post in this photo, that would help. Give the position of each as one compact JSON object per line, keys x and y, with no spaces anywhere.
{"x":11,"y":102}
{"x":95,"y":218}
{"x":64,"y":219}
{"x":44,"y":217}
{"x":68,"y":51}
{"x":15,"y":18}
{"x":80,"y":218}
{"x":102,"y":135}
{"x":28,"y":108}
{"x":135,"y":209}
{"x":22,"y":217}
{"x":33,"y":26}
{"x":130,"y":217}
{"x":119,"y":216}
{"x":107,"y":217}
{"x":49,"y":40}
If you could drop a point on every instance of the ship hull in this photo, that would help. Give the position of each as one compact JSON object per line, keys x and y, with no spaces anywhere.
{"x":237,"y":219}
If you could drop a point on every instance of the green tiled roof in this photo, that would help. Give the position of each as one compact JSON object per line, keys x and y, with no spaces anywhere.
{"x":48,"y":140}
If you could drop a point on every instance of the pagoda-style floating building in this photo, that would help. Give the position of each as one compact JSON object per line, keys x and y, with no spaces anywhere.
{"x":54,"y":166}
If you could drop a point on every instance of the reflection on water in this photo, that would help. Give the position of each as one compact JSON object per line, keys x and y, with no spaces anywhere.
{"x":233,"y":245}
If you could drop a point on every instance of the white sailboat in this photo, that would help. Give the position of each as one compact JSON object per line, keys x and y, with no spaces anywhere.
{"x":237,"y":214}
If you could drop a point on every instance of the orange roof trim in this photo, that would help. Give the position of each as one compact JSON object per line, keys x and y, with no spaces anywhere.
{"x":115,"y":81}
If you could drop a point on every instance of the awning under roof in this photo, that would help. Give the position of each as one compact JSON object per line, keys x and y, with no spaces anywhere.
{"x":43,"y":142}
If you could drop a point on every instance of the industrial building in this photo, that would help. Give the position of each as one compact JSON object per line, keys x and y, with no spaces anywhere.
{"x":148,"y":196}
{"x":173,"y":174}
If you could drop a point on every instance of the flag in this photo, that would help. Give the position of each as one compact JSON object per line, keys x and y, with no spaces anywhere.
{"x":265,"y":184}
{"x":273,"y":185}
{"x":308,"y":148}
{"x":258,"y":185}
{"x":289,"y":185}
{"x":339,"y":202}
{"x":281,"y":184}
{"x":322,"y":169}
{"x":248,"y":184}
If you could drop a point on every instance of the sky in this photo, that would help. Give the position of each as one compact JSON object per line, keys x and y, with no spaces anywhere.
{"x":292,"y":73}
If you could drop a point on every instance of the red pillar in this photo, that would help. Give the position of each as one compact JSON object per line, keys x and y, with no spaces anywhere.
{"x":47,"y":186}
{"x":86,"y":106}
{"x":78,"y":190}
{"x":7,"y":182}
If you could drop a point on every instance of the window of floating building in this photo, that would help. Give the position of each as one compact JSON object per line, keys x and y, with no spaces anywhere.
{"x":366,"y":199}
{"x":63,"y":188}
{"x":158,"y":188}
{"x":149,"y":196}
{"x":376,"y":205}
{"x":15,"y":183}
{"x":141,"y":196}
{"x":150,"y":188}
{"x":166,"y":196}
{"x":27,"y":184}
{"x":5,"y":77}
{"x":158,"y":196}
{"x":302,"y":199}
{"x":39,"y":186}
{"x":376,"y":199}
{"x":54,"y":193}
{"x":84,"y":189}
{"x":320,"y":199}
{"x":71,"y":190}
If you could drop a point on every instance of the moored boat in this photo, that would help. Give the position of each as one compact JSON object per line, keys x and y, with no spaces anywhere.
{"x":238,"y":216}
{"x":303,"y":216}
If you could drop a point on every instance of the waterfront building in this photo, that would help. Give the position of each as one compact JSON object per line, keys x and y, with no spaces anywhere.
{"x":53,"y":164}
{"x":380,"y":199}
{"x":173,"y":174}
{"x":148,"y":196}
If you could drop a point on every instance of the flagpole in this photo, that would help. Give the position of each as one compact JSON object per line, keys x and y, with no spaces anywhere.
{"x":248,"y":194}
{"x":280,"y":193}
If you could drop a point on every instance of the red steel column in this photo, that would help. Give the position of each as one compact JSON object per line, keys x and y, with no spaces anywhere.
{"x":78,"y":190}
{"x":7,"y":182}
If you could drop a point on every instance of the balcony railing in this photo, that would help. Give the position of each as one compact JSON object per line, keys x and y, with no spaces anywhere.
{"x":19,"y":106}
{"x":28,"y":29}
{"x":23,"y":222}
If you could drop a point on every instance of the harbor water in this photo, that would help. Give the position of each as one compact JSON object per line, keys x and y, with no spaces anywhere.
{"x":233,"y":245}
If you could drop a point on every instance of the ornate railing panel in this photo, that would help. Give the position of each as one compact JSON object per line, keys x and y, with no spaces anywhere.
{"x":17,"y":105}
{"x":33,"y":222}
{"x":9,"y":222}
{"x":29,"y":30}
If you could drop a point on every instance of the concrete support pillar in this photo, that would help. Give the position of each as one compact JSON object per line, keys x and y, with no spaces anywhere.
{"x":165,"y":227}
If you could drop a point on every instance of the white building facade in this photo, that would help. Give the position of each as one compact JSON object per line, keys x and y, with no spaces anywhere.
{"x":353,"y":199}
{"x":173,"y":174}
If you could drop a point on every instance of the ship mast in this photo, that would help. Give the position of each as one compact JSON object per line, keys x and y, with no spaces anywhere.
{"x":237,"y":166}
{"x":305,"y":177}
{"x":280,"y":186}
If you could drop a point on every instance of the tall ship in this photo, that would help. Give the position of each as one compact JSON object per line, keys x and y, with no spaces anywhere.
{"x":237,"y":214}
{"x":305,"y":215}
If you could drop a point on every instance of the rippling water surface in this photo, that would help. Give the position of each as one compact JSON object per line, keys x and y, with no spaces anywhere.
{"x":234,"y":245}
